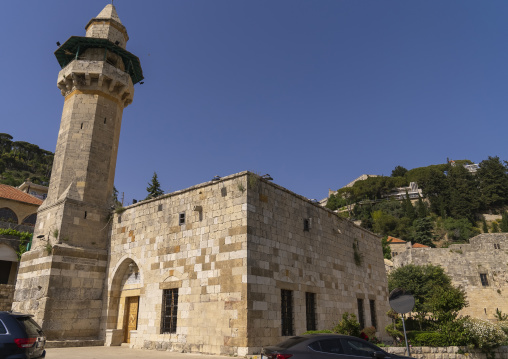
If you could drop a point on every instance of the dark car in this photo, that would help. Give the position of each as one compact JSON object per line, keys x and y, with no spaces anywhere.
{"x":325,"y":346}
{"x":20,"y":337}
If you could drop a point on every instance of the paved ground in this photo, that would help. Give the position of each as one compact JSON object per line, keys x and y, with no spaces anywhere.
{"x":120,"y":352}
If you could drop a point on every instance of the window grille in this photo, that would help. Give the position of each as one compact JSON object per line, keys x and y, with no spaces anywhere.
{"x":361,"y":317}
{"x":484,"y":280}
{"x":181,"y":219}
{"x":287,"y":312}
{"x":169,"y":310}
{"x":310,"y":309}
{"x":373,"y":319}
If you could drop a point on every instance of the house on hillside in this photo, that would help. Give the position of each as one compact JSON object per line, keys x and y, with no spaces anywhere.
{"x":18,"y":210}
{"x":34,"y":189}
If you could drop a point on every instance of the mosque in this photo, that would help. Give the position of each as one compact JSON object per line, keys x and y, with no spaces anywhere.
{"x":224,"y":267}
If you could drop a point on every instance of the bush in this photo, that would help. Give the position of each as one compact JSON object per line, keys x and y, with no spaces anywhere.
{"x":324,"y":331}
{"x":484,"y":334}
{"x":428,"y":339}
{"x":348,"y":325}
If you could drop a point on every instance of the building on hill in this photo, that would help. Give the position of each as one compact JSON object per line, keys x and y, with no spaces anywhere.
{"x":18,"y":210}
{"x":479,"y":267}
{"x":224,"y":267}
{"x":400,"y":193}
{"x":34,"y":189}
{"x":398,"y":246}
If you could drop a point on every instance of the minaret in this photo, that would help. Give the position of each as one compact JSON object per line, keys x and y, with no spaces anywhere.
{"x":61,"y":279}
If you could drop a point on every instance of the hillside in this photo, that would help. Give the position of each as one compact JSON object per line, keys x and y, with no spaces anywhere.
{"x":21,"y":160}
{"x":449,"y":210}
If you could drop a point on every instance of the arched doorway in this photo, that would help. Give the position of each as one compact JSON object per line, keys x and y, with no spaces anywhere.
{"x":123,"y":301}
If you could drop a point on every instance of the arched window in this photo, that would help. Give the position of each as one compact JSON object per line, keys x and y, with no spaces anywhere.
{"x":8,"y":215}
{"x":30,"y":220}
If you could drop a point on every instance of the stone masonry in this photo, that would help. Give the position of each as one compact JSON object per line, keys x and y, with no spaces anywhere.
{"x":224,"y":267}
{"x":485,"y":257}
{"x":61,"y":279}
{"x":243,"y":241}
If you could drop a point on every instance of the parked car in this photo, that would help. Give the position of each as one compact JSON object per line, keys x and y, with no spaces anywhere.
{"x":20,"y":337}
{"x":326,"y":346}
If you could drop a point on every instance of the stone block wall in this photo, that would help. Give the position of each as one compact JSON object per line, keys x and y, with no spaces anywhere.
{"x":241,"y":243}
{"x":205,"y":258}
{"x":286,"y":255}
{"x":486,"y":254}
{"x":63,"y":288}
{"x":449,"y":353}
{"x":6,"y":296}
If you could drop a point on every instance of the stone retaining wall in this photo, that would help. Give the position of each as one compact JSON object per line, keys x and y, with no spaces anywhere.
{"x":448,"y":352}
{"x":6,"y":295}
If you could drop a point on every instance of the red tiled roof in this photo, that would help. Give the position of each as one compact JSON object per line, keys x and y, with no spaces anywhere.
{"x":418,"y":245}
{"x":15,"y":194}
{"x":395,"y":240}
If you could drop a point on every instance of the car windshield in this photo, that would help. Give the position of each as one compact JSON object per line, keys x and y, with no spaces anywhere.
{"x":291,"y":342}
{"x":32,"y":328}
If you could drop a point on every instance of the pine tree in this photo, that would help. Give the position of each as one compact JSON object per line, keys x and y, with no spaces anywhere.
{"x":493,"y":182}
{"x":154,"y":187}
{"x":495,"y":227}
{"x":421,"y":208}
{"x":424,"y":231}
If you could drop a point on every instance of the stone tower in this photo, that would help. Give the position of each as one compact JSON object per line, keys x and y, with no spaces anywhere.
{"x":61,"y":279}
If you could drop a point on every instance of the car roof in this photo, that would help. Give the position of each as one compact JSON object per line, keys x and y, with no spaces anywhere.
{"x":16,"y":314}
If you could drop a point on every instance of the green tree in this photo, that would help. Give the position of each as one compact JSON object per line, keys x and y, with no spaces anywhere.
{"x":493,"y":182}
{"x":154,"y":187}
{"x":383,"y":223}
{"x":407,"y":208}
{"x":464,"y":194}
{"x":387,"y":253}
{"x":423,"y":231}
{"x":495,"y":227}
{"x":503,"y":226}
{"x":421,"y":208}
{"x":425,"y":283}
{"x":459,"y":229}
{"x":399,"y":171}
{"x":435,"y":188}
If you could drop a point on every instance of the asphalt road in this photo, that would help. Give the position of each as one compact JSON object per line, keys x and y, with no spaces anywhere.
{"x":120,"y":352}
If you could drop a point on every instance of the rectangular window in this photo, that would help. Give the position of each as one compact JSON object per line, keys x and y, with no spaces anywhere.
{"x":484,"y":280}
{"x":497,"y":246}
{"x":159,"y":208}
{"x":181,"y":218}
{"x":373,"y":319}
{"x":306,"y":225}
{"x":361,"y":317}
{"x":310,"y":310}
{"x":169,"y":310}
{"x":287,"y":312}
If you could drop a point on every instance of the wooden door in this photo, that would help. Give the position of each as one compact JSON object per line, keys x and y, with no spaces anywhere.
{"x":131,"y":317}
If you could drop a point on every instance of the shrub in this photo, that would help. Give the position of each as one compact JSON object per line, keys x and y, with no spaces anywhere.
{"x":348,"y":325}
{"x":324,"y":331}
{"x":484,"y":334}
{"x":429,"y":339}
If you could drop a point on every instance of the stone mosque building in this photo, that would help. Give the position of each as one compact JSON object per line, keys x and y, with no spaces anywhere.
{"x":224,"y":267}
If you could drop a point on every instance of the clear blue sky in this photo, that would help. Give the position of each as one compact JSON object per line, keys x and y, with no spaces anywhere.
{"x":314,"y":93}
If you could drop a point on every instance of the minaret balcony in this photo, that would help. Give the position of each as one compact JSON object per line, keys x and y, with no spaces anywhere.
{"x":96,"y":77}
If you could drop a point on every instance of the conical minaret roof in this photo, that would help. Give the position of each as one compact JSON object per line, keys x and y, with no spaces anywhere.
{"x":109,"y":12}
{"x":107,"y":25}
